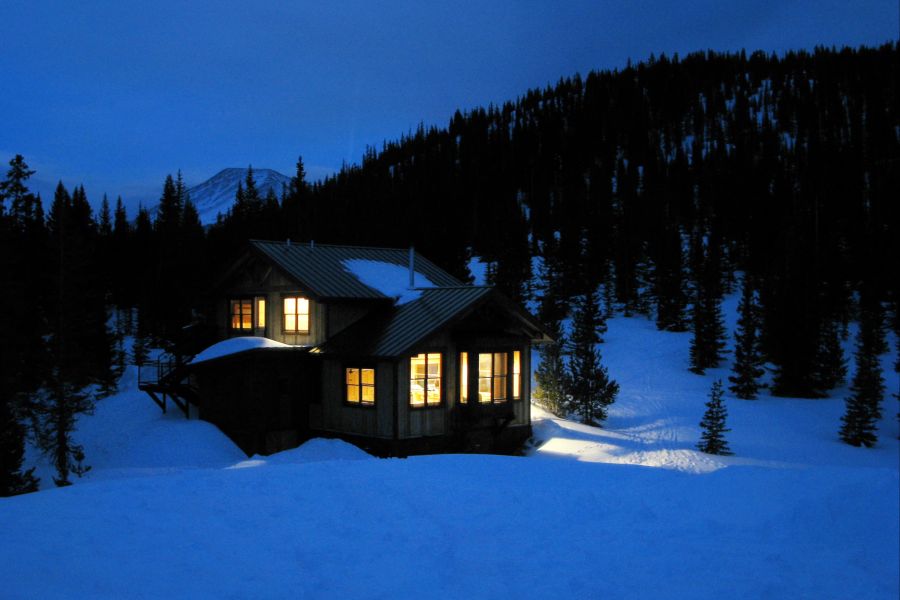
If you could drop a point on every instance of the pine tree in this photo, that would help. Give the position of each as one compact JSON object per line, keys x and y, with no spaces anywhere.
{"x":12,"y":450}
{"x":831,"y":367}
{"x":590,"y":388}
{"x":863,"y":406}
{"x":551,"y":376}
{"x":712,"y":439}
{"x":748,"y":359}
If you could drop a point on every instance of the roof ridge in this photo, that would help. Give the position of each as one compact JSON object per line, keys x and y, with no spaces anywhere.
{"x":306,"y":244}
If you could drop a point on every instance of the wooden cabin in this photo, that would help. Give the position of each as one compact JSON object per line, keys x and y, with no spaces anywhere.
{"x":377,"y":346}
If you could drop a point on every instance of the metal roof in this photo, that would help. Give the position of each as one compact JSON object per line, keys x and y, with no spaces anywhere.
{"x":320,"y":270}
{"x":394,"y":330}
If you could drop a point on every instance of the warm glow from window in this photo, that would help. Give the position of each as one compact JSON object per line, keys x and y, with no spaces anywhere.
{"x":463,"y":377}
{"x":296,"y":315}
{"x":242,"y":314}
{"x":261,"y":313}
{"x":360,"y":386}
{"x":516,"y":376}
{"x":493,"y":377}
{"x":425,"y":380}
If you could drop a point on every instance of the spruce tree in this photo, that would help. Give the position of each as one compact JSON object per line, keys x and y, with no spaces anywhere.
{"x":551,"y":376}
{"x":591,"y":390}
{"x":12,"y":450}
{"x":748,"y":359}
{"x":707,"y":323}
{"x":863,"y":406}
{"x":831,"y":367}
{"x":712,"y":438}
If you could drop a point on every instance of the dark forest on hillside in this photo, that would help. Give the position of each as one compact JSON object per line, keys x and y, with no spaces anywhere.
{"x":651,"y":186}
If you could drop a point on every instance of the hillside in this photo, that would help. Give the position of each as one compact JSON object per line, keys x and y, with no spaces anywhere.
{"x":632,"y":510}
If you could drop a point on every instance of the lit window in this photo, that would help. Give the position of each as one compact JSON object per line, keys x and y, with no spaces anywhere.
{"x":242,"y":315}
{"x":463,"y":377}
{"x":361,"y":386}
{"x":493,"y":377}
{"x":261,"y":313}
{"x":425,"y":380}
{"x":296,"y":315}
{"x":517,"y":376}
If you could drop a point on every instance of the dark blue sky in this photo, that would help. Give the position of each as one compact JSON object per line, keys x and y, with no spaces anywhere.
{"x":117,"y":94}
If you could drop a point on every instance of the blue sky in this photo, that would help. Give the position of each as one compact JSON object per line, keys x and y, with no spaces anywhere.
{"x":115,"y":95}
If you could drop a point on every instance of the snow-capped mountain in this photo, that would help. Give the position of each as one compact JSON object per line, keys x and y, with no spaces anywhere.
{"x":216,"y":194}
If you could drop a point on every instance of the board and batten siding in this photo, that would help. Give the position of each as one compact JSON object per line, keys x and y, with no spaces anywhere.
{"x":335,"y":415}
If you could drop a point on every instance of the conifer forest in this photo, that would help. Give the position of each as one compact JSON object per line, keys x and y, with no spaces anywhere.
{"x":650,"y":190}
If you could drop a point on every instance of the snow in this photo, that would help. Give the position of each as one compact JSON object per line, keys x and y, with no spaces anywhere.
{"x":236,"y":345}
{"x":389,"y":279}
{"x":173,"y":509}
{"x":478,"y":270}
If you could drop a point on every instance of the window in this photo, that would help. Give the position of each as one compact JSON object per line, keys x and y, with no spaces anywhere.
{"x":261,"y":313}
{"x":463,"y":377}
{"x":492,"y":377}
{"x":296,"y":315}
{"x":241,"y":315}
{"x":425,"y":380}
{"x":517,"y":376}
{"x":361,"y":386}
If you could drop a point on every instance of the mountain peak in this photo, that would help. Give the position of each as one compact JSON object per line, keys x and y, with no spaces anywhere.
{"x":216,"y":195}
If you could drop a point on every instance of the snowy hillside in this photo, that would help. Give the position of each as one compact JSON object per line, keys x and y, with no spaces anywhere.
{"x":172,"y":509}
{"x":216,"y":194}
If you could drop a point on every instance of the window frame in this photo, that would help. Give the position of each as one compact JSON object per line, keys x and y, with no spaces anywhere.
{"x":241,"y":301}
{"x":360,"y":367}
{"x":440,"y":377}
{"x":474,"y":375}
{"x":296,"y":314}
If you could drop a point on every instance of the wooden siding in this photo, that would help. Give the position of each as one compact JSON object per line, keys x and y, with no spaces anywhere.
{"x":339,"y":417}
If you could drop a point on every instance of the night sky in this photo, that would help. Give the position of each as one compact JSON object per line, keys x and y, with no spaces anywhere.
{"x":115,"y":95}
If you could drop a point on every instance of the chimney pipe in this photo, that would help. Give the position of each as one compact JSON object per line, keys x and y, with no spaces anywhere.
{"x":288,"y":242}
{"x":312,"y":244}
{"x":412,"y":268}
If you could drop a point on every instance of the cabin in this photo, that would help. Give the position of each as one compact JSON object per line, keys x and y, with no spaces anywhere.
{"x":377,"y":346}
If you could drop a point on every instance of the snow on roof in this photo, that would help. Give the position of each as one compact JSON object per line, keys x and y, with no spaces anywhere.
{"x":389,"y":279}
{"x":234,"y":346}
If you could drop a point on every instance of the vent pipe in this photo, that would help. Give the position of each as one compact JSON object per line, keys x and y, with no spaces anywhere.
{"x":289,"y":242}
{"x":412,"y":268}
{"x":312,"y":244}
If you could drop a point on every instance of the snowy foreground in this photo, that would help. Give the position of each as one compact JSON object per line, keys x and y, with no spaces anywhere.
{"x":172,"y":509}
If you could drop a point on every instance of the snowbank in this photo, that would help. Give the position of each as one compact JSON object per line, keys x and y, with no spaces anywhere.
{"x":389,"y":279}
{"x":234,"y":346}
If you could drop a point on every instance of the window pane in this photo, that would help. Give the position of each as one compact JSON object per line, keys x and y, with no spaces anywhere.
{"x":434,"y":391}
{"x":484,"y":390}
{"x":290,"y":322}
{"x":368,"y":394}
{"x":302,"y":306}
{"x":500,"y":363}
{"x":303,"y":323}
{"x":261,"y":312}
{"x":464,"y":377}
{"x":434,"y":365}
{"x":290,"y":306}
{"x":352,"y":376}
{"x":236,"y":322}
{"x":368,"y":376}
{"x":352,"y":393}
{"x":246,"y":321}
{"x":517,"y":379}
{"x":417,"y":392}
{"x":417,"y":367}
{"x":500,"y":389}
{"x":484,"y":365}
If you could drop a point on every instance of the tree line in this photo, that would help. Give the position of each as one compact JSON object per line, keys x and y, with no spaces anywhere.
{"x":643,"y":190}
